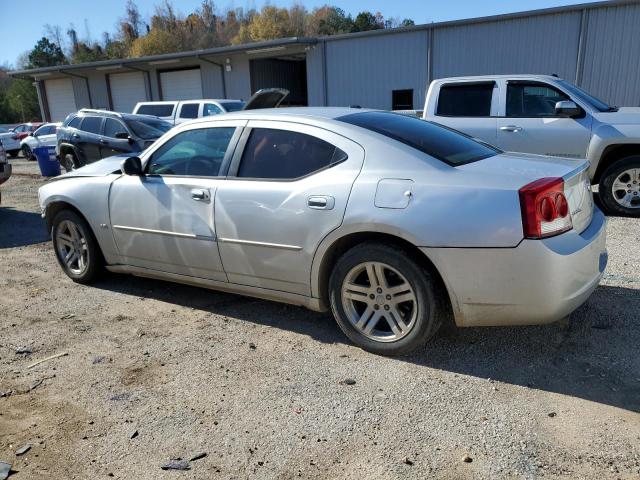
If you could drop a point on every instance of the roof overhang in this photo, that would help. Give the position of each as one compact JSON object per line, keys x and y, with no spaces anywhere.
{"x":270,"y":47}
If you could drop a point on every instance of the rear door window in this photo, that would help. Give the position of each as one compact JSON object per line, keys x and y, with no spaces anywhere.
{"x":189,"y":110}
{"x":465,"y":100}
{"x":91,"y":124}
{"x":435,"y":140}
{"x":282,"y":154}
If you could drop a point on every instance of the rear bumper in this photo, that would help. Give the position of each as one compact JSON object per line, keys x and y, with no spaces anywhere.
{"x":10,"y":145}
{"x":539,"y":281}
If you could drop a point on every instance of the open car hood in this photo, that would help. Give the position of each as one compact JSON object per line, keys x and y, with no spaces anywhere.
{"x":266,"y":98}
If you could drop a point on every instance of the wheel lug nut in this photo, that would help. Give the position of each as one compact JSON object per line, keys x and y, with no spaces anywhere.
{"x":386,"y":307}
{"x":379,"y":290}
{"x":376,"y":307}
{"x":388,"y":297}
{"x":372,"y":296}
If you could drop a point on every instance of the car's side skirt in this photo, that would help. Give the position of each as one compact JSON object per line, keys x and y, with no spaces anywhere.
{"x":264,"y":293}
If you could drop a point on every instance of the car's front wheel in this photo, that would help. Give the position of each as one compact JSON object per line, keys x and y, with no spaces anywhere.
{"x":620,"y":187}
{"x":75,"y":246}
{"x":384,"y":301}
{"x":69,"y":162}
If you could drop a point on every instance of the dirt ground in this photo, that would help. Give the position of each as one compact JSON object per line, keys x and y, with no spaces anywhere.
{"x":156,"y":371}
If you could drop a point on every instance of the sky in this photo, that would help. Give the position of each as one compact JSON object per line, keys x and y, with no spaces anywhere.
{"x":92,"y":17}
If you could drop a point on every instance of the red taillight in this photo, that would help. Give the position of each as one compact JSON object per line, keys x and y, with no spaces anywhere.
{"x":545,"y":210}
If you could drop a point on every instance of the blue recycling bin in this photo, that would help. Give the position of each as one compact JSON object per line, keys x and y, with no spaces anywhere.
{"x":47,"y":161}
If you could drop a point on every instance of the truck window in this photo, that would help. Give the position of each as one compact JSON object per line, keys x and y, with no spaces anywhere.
{"x":189,"y":110}
{"x":465,"y":100}
{"x":162,"y":110}
{"x":532,"y":99}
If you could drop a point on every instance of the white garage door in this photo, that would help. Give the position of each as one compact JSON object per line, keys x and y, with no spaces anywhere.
{"x":127,"y":89}
{"x":60,"y":97}
{"x":181,"y":85}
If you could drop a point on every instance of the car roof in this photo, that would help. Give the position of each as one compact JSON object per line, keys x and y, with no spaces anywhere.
{"x":517,"y":76}
{"x":289,"y":113}
{"x":111,"y":114}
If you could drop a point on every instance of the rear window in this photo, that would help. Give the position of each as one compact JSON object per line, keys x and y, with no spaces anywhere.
{"x":164,"y":110}
{"x":440,"y":142}
{"x":465,"y":100}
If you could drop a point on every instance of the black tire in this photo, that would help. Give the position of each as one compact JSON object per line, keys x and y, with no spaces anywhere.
{"x":27,"y":153}
{"x":13,"y":153}
{"x":431,"y":302}
{"x":69,"y":162}
{"x":607,"y":196}
{"x":94,"y":262}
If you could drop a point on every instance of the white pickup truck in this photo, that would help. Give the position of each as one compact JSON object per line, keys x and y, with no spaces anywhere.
{"x":546,"y":115}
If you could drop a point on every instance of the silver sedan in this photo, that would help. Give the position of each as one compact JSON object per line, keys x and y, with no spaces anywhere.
{"x":394,"y":224}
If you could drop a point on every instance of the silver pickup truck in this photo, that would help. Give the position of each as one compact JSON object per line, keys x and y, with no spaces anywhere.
{"x":547,"y":115}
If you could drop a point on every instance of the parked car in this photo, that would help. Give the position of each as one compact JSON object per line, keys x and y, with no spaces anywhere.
{"x":10,"y":142}
{"x":89,"y":135}
{"x":45,"y":136}
{"x":5,"y":168}
{"x":177,"y":112}
{"x":389,"y":221}
{"x":550,"y":116}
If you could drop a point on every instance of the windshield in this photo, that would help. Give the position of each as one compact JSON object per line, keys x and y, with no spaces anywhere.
{"x":440,"y":142}
{"x":233,"y":106}
{"x":148,"y":129}
{"x":587,"y":97}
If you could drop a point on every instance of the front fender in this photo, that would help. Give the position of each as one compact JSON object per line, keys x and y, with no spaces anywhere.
{"x":90,"y":197}
{"x":606,"y":135}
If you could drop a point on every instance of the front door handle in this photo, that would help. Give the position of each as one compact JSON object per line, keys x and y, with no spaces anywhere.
{"x":103,"y":141}
{"x":200,"y":195}
{"x":511,"y":128}
{"x":321,"y":202}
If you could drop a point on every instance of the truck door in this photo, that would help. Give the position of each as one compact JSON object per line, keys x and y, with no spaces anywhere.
{"x":530,"y":124}
{"x":470,"y":107}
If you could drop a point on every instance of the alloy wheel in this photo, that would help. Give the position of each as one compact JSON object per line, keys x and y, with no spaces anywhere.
{"x":379,"y":301}
{"x":72,"y":247}
{"x":626,"y":188}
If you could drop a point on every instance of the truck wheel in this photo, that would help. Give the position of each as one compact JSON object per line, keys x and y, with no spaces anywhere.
{"x":384,"y":301}
{"x":620,"y":187}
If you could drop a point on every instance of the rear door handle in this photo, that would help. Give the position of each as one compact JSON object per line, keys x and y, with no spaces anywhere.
{"x":103,"y":141}
{"x":321,"y":202}
{"x":511,"y":128}
{"x":200,"y":195}
{"x":75,"y":135}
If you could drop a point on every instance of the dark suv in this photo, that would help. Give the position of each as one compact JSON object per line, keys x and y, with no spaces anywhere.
{"x":90,"y":135}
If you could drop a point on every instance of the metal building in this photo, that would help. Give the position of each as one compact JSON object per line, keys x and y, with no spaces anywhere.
{"x":595,"y":45}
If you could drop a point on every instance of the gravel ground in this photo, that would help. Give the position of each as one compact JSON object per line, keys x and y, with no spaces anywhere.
{"x":157,"y":371}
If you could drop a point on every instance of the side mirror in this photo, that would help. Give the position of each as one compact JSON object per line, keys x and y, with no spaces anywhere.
{"x":32,"y":134}
{"x":124,"y":136}
{"x":131,"y":166}
{"x":567,"y":108}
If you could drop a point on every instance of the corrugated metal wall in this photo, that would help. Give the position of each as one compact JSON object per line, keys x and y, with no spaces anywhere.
{"x":364,"y":70}
{"x":315,"y":75}
{"x":543,"y":44}
{"x":612,"y":54}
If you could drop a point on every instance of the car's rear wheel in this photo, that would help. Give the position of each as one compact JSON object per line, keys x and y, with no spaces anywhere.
{"x":69,"y":162}
{"x":384,"y":301}
{"x":76,"y":248}
{"x":27,"y":153}
{"x":13,"y":153}
{"x":620,"y":187}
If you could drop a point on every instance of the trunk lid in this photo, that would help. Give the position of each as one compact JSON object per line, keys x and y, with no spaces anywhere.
{"x":514,"y":170}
